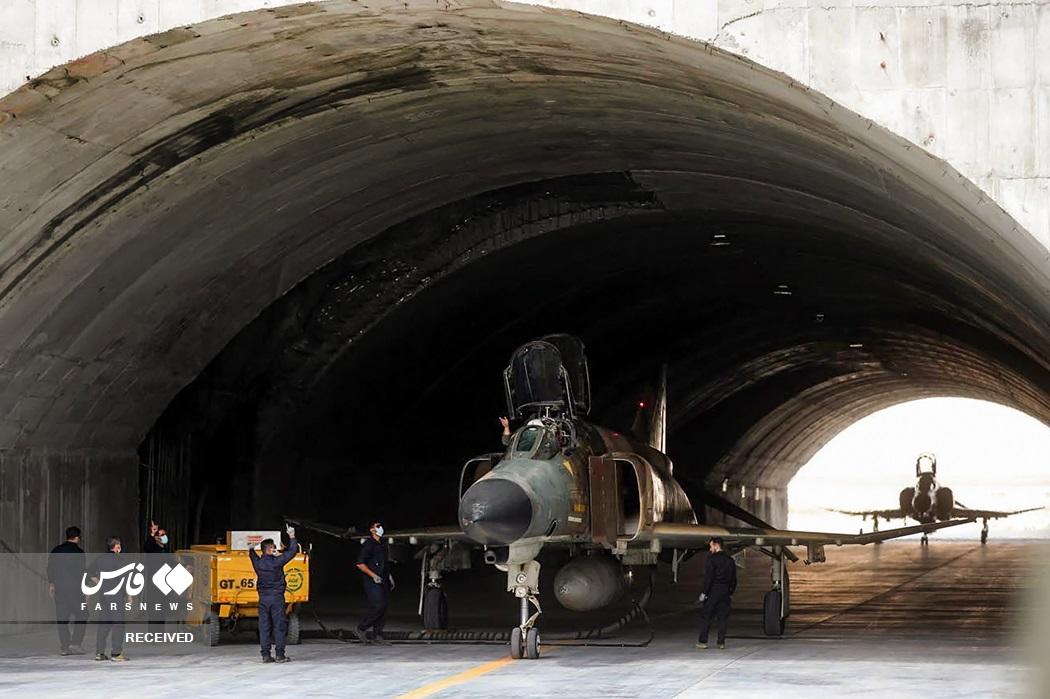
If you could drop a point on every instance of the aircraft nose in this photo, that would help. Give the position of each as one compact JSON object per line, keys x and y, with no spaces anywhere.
{"x":922,"y":502}
{"x":495,"y":511}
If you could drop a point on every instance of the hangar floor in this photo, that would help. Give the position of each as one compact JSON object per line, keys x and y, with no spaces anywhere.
{"x":890,"y":621}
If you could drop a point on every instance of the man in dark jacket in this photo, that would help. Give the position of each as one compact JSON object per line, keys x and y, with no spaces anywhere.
{"x":158,"y":546}
{"x":719,"y":586}
{"x":269,"y":571}
{"x":372,"y":562}
{"x":65,"y":572}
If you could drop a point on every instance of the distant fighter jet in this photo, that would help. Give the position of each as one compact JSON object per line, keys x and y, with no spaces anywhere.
{"x":929,"y":502}
{"x":606,"y":497}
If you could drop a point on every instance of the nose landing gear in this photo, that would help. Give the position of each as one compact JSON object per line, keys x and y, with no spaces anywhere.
{"x":523,"y":581}
{"x":925,"y":540}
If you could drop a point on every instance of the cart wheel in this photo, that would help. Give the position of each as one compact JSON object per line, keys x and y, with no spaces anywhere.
{"x":292,"y":638}
{"x":210,"y":630}
{"x":516,"y":649}
{"x":532,"y":644}
{"x":435,"y":609}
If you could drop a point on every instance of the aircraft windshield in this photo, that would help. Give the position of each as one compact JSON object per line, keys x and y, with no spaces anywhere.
{"x":536,"y":442}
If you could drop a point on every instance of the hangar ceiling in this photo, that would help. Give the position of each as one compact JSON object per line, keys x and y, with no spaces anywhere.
{"x":325,"y":227}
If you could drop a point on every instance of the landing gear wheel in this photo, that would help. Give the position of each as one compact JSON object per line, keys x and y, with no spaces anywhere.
{"x":772,"y":621}
{"x":435,"y":610}
{"x":924,"y":541}
{"x":517,"y":649}
{"x":292,"y":638}
{"x":984,"y":537}
{"x":532,"y":644}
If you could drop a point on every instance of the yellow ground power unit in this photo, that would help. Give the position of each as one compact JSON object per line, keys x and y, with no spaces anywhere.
{"x":224,"y":595}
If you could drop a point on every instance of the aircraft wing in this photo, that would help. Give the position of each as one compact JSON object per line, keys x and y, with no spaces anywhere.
{"x":411,"y":536}
{"x":881,"y":514}
{"x":329,"y":529}
{"x":425,"y":534}
{"x":676,"y":535}
{"x":989,"y":514}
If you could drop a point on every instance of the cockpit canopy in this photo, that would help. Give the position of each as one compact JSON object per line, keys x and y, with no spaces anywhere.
{"x":534,"y":441}
{"x":927,"y":462}
{"x":549,"y":373}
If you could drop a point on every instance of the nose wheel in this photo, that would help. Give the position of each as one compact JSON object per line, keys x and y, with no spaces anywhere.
{"x":523,"y":581}
{"x":925,"y":540}
{"x":524,"y":645}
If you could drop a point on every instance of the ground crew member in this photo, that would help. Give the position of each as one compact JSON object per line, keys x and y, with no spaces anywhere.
{"x":269,"y":572}
{"x":158,"y":546}
{"x":378,"y":582}
{"x":65,"y":572}
{"x":719,"y":586}
{"x":111,"y":614}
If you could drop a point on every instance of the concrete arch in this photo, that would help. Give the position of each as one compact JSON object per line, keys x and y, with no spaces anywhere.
{"x":195,"y":208}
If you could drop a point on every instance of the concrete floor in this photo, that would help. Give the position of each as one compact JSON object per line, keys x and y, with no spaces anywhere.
{"x":892,"y":621}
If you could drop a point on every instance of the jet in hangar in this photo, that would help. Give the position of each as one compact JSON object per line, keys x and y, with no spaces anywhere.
{"x":608,"y":498}
{"x":927,"y":501}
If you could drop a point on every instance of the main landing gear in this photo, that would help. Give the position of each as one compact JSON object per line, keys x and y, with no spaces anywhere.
{"x":436,"y":560}
{"x":776,"y":606}
{"x":984,"y":531}
{"x":523,"y":580}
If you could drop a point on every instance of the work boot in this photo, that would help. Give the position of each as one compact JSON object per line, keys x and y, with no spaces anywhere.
{"x":722,"y":646}
{"x":701,"y":646}
{"x":360,"y":636}
{"x":119,"y":657}
{"x":101,"y":656}
{"x":282,"y":659}
{"x":75,"y":649}
{"x":268,"y":659}
{"x":65,"y":651}
{"x":379,"y":640}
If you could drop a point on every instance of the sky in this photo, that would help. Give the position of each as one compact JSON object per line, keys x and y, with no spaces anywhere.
{"x":992,"y":457}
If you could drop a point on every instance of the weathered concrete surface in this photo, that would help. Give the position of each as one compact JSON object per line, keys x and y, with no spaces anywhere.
{"x":967,"y":81}
{"x":882,"y":622}
{"x":165,"y":194}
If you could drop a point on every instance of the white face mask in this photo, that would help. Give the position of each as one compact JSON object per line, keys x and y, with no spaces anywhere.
{"x":379,"y":530}
{"x":164,"y":540}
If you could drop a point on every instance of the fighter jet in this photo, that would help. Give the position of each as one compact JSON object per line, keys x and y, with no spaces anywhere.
{"x":930,"y":502}
{"x":608,"y":498}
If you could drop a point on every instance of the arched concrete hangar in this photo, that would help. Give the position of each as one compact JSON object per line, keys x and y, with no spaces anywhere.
{"x":276,"y":262}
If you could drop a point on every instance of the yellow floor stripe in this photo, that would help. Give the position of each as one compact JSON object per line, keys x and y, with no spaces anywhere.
{"x":465,"y":676}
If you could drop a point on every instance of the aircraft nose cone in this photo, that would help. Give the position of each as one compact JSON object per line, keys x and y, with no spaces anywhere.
{"x":495,"y":511}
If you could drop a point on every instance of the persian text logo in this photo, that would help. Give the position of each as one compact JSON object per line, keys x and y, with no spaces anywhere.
{"x":168,"y":579}
{"x":129,"y":577}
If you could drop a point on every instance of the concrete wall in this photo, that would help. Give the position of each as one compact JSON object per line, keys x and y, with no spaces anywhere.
{"x":43,"y":492}
{"x":968,"y":81}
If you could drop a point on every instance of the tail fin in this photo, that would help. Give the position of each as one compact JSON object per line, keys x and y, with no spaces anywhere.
{"x":658,"y":418}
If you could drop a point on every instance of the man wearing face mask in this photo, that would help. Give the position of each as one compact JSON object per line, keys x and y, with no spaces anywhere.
{"x":269,"y":571}
{"x":372,"y":562}
{"x":157,"y":545}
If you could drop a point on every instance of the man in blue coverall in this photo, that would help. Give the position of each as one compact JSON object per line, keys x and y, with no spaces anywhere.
{"x":269,"y":569}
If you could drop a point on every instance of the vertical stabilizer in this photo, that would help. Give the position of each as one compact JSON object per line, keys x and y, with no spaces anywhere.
{"x":658,"y":419}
